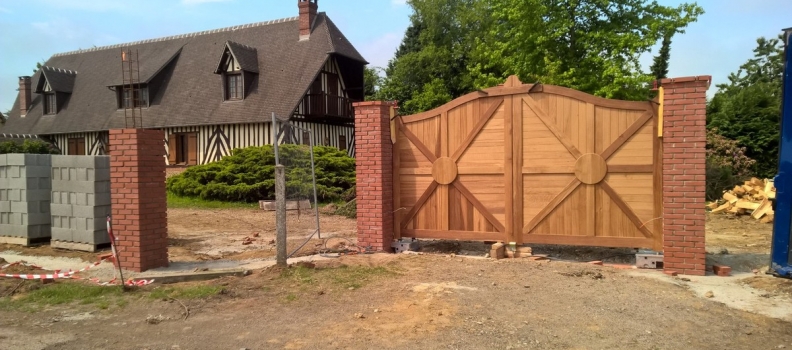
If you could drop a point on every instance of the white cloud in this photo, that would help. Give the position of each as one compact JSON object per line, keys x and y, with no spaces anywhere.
{"x":381,"y":49}
{"x":198,"y":2}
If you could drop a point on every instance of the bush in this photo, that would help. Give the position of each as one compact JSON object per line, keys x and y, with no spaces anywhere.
{"x":727,"y":164}
{"x":248,"y":174}
{"x":28,"y":146}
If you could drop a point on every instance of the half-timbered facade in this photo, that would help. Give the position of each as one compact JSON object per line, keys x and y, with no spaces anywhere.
{"x":211,"y":91}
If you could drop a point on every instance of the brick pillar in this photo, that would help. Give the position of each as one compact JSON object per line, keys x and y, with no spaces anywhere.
{"x":139,"y":207}
{"x":374,"y":165}
{"x":684,"y":163}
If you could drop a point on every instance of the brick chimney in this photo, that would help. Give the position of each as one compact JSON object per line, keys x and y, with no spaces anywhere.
{"x":307,"y":17}
{"x":24,"y":95}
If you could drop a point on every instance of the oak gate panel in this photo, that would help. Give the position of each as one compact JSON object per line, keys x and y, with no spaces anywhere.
{"x":530,"y":164}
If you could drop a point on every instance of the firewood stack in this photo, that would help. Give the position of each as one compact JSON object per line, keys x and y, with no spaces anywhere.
{"x":754,"y":197}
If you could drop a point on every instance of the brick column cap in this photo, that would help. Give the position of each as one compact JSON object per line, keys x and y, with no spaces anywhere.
{"x":374,"y":103}
{"x":707,"y":78}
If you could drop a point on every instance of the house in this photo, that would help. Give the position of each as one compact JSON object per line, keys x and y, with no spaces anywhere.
{"x":210,"y":91}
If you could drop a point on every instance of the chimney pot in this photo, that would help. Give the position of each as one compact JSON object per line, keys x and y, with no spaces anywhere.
{"x":24,"y":95}
{"x":307,"y":16}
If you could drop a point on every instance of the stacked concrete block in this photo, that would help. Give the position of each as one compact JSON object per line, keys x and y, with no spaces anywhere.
{"x":24,"y":198}
{"x":80,"y":201}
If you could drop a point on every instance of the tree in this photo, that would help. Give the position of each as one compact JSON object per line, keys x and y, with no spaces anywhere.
{"x":371,"y":83}
{"x":748,"y":108}
{"x":589,"y":45}
{"x":659,"y":66}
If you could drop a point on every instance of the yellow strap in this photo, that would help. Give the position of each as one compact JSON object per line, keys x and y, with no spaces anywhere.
{"x":660,"y":113}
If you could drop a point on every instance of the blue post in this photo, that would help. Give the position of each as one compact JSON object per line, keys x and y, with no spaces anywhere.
{"x":780,"y":263}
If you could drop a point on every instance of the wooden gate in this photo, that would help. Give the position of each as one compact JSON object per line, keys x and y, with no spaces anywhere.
{"x":530,"y":164}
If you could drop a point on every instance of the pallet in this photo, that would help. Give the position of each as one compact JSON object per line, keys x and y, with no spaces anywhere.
{"x":85,"y":247}
{"x":23,"y":241}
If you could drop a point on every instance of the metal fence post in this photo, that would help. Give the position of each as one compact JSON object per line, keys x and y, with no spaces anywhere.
{"x":280,"y":214}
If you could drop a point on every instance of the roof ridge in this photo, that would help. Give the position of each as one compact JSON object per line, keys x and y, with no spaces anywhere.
{"x":180,"y":36}
{"x":60,"y":70}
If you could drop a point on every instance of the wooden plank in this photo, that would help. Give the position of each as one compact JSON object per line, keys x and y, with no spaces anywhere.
{"x":590,"y":211}
{"x":641,"y":168}
{"x":657,"y":191}
{"x":625,"y":208}
{"x":744,"y":204}
{"x":454,"y":234}
{"x":726,"y":206}
{"x":478,"y":205}
{"x":480,"y":125}
{"x":764,"y":208}
{"x":730,"y":197}
{"x":622,"y":139}
{"x":551,"y":126}
{"x":418,"y":204}
{"x":442,"y":191}
{"x":412,"y":171}
{"x":398,"y":211}
{"x":476,"y":170}
{"x":627,"y":242}
{"x":508,"y":166}
{"x":590,"y":114}
{"x":417,"y":142}
{"x":517,"y":166}
{"x":548,"y":169}
{"x":441,"y":148}
{"x":552,"y":205}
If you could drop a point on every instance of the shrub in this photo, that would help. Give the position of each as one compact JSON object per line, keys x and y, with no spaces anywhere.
{"x":28,"y":146}
{"x":248,"y":174}
{"x":727,"y":164}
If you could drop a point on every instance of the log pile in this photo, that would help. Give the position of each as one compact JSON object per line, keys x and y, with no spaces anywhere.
{"x":754,"y":198}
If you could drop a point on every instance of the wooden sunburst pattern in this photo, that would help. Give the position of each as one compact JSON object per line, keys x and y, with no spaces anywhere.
{"x":530,"y":164}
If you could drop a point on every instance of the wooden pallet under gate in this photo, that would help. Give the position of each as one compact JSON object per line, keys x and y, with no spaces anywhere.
{"x":530,"y":164}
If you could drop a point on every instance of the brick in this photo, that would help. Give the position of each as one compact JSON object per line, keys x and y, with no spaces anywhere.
{"x":721,"y":270}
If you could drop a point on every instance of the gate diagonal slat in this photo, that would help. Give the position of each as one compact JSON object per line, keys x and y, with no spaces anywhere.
{"x":476,"y":129}
{"x":417,"y":142}
{"x":552,"y":205}
{"x":625,"y":208}
{"x":551,"y":126}
{"x":478,"y":205}
{"x":419,"y":203}
{"x":626,"y":135}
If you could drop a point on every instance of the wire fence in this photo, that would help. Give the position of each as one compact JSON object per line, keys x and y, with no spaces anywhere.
{"x":294,"y":150}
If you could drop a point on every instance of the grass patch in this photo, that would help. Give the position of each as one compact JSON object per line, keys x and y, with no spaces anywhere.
{"x":176,"y":201}
{"x":192,"y":292}
{"x":343,"y":276}
{"x":65,"y":293}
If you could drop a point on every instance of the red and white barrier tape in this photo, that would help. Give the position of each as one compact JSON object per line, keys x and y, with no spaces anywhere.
{"x":67,"y":275}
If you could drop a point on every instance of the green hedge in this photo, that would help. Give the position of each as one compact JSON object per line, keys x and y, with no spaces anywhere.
{"x":248,"y":175}
{"x":28,"y":146}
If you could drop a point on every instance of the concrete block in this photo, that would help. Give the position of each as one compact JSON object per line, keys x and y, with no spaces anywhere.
{"x":15,"y":159}
{"x":44,"y":160}
{"x":91,"y":237}
{"x":82,"y":174}
{"x":38,"y":171}
{"x":100,"y":174}
{"x":98,"y":223}
{"x":5,"y":206}
{"x":55,"y":198}
{"x":81,"y":211}
{"x":12,"y":172}
{"x":20,"y":207}
{"x":62,"y":234}
{"x":39,"y":231}
{"x":14,"y":195}
{"x":64,"y":198}
{"x":3,"y":194}
{"x":61,"y":209}
{"x":3,"y":160}
{"x":64,"y":176}
{"x":55,"y":173}
{"x":73,"y":174}
{"x":98,"y":199}
{"x":80,"y":199}
{"x":39,"y":219}
{"x":5,"y":218}
{"x":11,"y":230}
{"x":37,"y":195}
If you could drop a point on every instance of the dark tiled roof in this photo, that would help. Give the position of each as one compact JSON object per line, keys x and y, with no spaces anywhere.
{"x":60,"y":80}
{"x":245,"y":55}
{"x":189,"y":92}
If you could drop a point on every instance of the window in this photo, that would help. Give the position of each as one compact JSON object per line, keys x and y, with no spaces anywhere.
{"x":183,"y":149}
{"x":132,"y":98}
{"x":49,"y":103}
{"x":233,"y":86}
{"x":76,"y":146}
{"x":342,"y":143}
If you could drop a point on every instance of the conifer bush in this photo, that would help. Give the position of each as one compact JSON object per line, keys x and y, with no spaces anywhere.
{"x":248,"y":175}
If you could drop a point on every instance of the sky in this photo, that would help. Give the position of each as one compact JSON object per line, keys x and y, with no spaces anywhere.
{"x":33,"y":30}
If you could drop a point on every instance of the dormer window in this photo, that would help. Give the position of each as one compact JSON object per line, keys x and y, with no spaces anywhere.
{"x":238,"y":68}
{"x":55,"y":86}
{"x":133,"y":98}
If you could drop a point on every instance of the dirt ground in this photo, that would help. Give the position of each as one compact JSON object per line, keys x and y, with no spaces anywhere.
{"x":450,"y":296}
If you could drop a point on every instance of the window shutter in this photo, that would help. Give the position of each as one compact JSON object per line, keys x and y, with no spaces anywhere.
{"x":71,"y":147}
{"x":81,"y":146}
{"x":172,"y":139}
{"x":192,"y":149}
